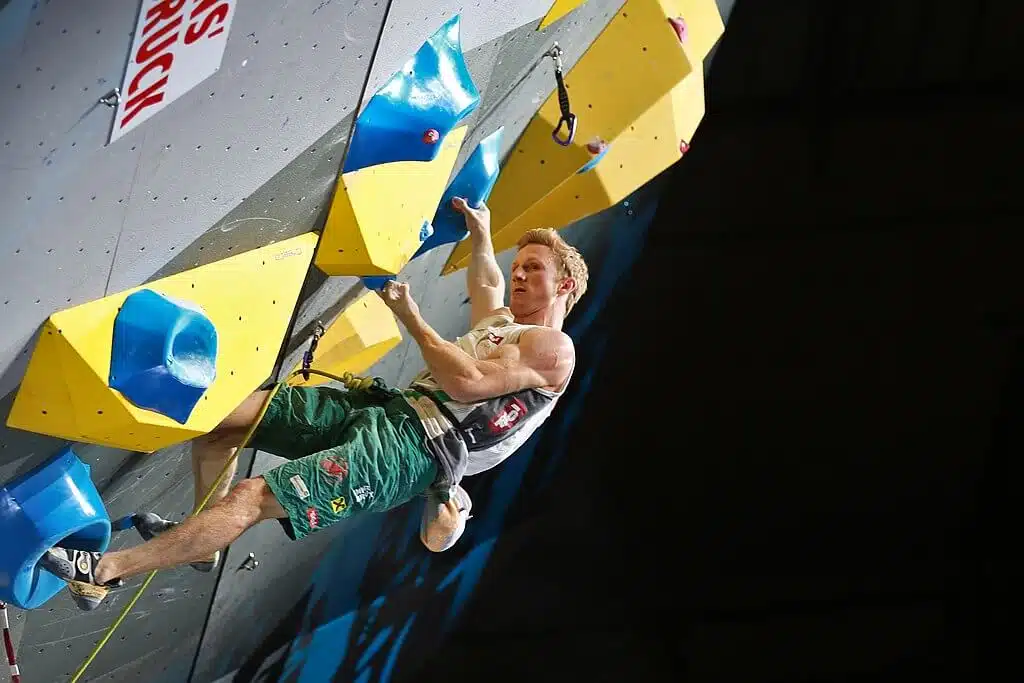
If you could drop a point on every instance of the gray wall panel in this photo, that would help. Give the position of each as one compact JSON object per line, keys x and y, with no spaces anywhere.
{"x":287,"y":77}
{"x":63,"y":193}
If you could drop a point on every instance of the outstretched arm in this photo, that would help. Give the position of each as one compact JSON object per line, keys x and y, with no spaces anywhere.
{"x":484,"y":279}
{"x":543,"y":357}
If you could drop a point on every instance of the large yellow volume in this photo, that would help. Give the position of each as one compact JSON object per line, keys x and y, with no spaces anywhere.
{"x":375,"y":222}
{"x":363,"y":334}
{"x":655,"y":142}
{"x":629,"y":69}
{"x":249,"y":298}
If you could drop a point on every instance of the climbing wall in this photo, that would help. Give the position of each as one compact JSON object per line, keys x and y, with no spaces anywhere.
{"x":248,"y":157}
{"x":510,"y":77}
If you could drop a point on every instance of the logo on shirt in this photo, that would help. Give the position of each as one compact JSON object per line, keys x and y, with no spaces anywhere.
{"x":494,"y":339}
{"x":508,"y":417}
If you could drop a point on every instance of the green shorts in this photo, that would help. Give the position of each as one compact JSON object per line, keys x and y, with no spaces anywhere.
{"x":349,"y":452}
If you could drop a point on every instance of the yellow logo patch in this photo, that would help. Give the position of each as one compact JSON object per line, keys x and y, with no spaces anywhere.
{"x":338,"y":505}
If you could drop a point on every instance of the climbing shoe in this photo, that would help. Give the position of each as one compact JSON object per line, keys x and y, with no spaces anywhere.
{"x":78,"y":568}
{"x":150,"y":525}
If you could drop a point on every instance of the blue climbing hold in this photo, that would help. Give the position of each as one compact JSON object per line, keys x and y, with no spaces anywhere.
{"x":594,"y":160}
{"x":54,"y":504}
{"x":377,"y":282}
{"x":412,"y":113}
{"x":163,"y":355}
{"x":473,"y":183}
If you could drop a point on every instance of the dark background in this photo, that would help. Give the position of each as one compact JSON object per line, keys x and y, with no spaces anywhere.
{"x":797,"y":457}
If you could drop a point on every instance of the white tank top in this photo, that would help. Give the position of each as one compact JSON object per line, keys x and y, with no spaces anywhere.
{"x":492,"y":429}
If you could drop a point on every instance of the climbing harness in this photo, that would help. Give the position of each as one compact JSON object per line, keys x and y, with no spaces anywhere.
{"x":347,"y":379}
{"x":568,"y":118}
{"x":307,"y":357}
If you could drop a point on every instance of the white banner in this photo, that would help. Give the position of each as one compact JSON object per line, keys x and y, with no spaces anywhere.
{"x":177,"y":45}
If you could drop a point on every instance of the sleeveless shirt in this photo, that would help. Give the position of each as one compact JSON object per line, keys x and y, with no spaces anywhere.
{"x":469,"y":438}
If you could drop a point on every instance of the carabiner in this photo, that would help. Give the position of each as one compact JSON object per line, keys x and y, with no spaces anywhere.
{"x":571,"y":121}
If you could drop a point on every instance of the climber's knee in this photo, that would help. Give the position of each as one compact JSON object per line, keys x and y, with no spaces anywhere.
{"x":251,"y":501}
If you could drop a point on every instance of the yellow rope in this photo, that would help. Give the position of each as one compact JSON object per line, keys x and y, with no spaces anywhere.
{"x":350,"y":381}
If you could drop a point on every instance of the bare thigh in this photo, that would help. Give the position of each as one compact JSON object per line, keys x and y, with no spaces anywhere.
{"x":233,"y":428}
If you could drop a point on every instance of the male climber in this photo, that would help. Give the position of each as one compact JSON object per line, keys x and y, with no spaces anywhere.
{"x":370,"y":450}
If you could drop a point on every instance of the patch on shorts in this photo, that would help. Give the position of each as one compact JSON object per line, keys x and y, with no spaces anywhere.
{"x":362,"y":493}
{"x":313,"y":518}
{"x":335,"y":467}
{"x":299,"y":484}
{"x":338,"y":505}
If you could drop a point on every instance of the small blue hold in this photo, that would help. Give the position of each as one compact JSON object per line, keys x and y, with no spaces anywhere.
{"x":473,"y":183}
{"x":594,"y":160}
{"x":377,"y":282}
{"x":163,"y":355}
{"x":410,"y":115}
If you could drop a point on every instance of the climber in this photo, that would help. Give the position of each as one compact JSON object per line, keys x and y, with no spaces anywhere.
{"x":373,"y":449}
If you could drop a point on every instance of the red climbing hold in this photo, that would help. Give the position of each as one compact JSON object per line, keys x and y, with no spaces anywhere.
{"x":679,"y":24}
{"x":683,"y":147}
{"x":431,"y":136}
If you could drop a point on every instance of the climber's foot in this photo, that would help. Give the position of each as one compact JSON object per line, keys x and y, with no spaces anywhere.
{"x":78,"y":568}
{"x":150,"y":524}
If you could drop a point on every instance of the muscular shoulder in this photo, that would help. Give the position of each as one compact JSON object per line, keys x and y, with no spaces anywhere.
{"x":549,"y":352}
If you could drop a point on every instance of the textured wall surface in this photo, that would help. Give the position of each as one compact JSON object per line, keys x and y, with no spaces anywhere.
{"x":248,"y":157}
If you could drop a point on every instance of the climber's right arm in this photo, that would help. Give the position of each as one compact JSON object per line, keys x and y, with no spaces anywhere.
{"x":484,"y":277}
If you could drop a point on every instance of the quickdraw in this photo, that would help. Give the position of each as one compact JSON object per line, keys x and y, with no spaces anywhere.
{"x":307,"y":357}
{"x":568,"y":118}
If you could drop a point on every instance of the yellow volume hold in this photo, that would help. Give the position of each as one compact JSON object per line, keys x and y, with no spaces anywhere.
{"x":363,"y":334}
{"x":657,"y":140}
{"x":248,"y":298}
{"x":378,"y":212}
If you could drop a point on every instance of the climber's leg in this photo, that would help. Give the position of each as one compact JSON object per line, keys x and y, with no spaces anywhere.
{"x":381,"y":462}
{"x":90,"y":575}
{"x":210,"y":453}
{"x":197,"y":537}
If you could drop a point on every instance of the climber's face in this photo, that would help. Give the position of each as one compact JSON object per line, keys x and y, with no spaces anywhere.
{"x":534,"y":280}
